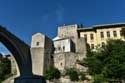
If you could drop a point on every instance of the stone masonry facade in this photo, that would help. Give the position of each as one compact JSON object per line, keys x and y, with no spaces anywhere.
{"x":62,"y":52}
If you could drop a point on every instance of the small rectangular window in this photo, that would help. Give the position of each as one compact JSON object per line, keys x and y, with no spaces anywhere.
{"x":114,"y":33}
{"x":85,"y":36}
{"x":102,"y":34}
{"x":63,"y":47}
{"x":91,"y":36}
{"x":120,"y":32}
{"x":103,"y":44}
{"x":92,"y":46}
{"x":108,"y":34}
{"x":59,"y":48}
{"x":37,"y":43}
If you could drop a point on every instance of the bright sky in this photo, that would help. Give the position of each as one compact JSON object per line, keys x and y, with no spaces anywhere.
{"x":26,"y":17}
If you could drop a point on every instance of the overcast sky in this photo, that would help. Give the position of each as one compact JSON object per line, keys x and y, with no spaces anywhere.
{"x":26,"y":17}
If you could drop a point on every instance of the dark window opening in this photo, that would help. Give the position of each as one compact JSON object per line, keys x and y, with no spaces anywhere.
{"x":85,"y":36}
{"x":92,"y":46}
{"x":63,"y":47}
{"x":61,"y":64}
{"x":91,"y":36}
{"x":115,"y":33}
{"x":103,"y":44}
{"x":59,"y":48}
{"x":120,"y":32}
{"x":102,"y":34}
{"x":37,"y":43}
{"x":51,"y":57}
{"x":108,"y":34}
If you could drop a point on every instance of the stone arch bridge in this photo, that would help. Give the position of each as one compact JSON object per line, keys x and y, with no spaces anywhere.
{"x":22,"y":55}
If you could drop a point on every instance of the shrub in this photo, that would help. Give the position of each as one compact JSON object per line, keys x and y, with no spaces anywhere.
{"x":99,"y":78}
{"x":82,"y":76}
{"x":72,"y":74}
{"x":52,"y":73}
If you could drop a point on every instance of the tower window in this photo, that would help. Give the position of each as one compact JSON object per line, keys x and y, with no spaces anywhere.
{"x":115,"y":33}
{"x":102,"y":34}
{"x":37,"y":43}
{"x":59,"y":48}
{"x":63,"y":47}
{"x":61,"y":64}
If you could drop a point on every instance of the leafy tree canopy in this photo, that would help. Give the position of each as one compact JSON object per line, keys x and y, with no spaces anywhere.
{"x":109,"y":62}
{"x":5,"y":68}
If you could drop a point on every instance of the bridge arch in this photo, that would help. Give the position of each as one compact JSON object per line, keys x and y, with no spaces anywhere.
{"x":19,"y":49}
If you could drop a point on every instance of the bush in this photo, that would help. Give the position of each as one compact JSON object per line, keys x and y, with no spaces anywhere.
{"x":72,"y":74}
{"x":82,"y":76}
{"x":5,"y":68}
{"x":99,"y":78}
{"x":52,"y":73}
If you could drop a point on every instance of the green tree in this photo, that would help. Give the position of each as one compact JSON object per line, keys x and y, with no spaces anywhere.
{"x":94,"y":61}
{"x":72,"y":74}
{"x":94,"y":65}
{"x":115,"y":60}
{"x":5,"y":68}
{"x":109,"y":62}
{"x":52,"y":73}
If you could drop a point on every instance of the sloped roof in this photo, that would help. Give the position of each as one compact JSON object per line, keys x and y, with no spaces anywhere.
{"x":56,"y":38}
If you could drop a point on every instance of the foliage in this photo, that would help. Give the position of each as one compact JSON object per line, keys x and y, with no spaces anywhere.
{"x":82,"y":76}
{"x":99,"y":78}
{"x":5,"y":68}
{"x":109,"y":62}
{"x":72,"y":74}
{"x":52,"y":73}
{"x":115,"y":61}
{"x":94,"y":65}
{"x":94,"y":61}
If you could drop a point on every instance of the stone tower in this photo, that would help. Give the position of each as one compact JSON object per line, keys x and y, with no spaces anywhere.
{"x":68,"y":31}
{"x":41,"y":50}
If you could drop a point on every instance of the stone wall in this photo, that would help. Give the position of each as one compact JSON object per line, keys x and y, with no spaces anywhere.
{"x":64,"y":60}
{"x":80,"y":48}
